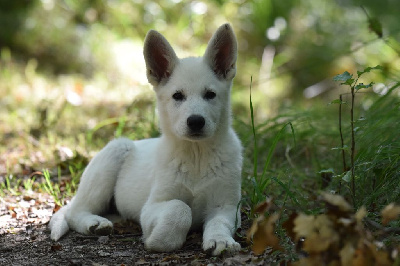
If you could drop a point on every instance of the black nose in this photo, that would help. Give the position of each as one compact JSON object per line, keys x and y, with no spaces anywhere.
{"x":196,"y":122}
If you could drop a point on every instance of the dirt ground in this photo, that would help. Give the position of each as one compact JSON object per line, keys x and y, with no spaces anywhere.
{"x":24,"y":240}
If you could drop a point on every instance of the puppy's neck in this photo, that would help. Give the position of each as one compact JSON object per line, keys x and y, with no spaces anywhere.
{"x":187,"y":146}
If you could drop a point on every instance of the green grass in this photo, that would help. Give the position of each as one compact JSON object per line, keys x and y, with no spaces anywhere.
{"x":378,"y":157}
{"x":52,"y":188}
{"x":286,"y":156}
{"x":10,"y":185}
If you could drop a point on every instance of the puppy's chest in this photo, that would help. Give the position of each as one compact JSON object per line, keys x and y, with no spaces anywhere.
{"x":199,"y":174}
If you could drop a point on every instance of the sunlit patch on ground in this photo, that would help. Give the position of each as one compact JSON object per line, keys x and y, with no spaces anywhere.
{"x":21,"y":213}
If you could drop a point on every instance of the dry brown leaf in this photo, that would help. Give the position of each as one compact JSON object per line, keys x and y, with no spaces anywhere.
{"x":367,"y":254}
{"x":316,"y":260}
{"x":56,"y":208}
{"x":361,"y":258}
{"x":126,"y":227}
{"x":27,"y":198}
{"x":318,"y":231}
{"x":171,"y":258}
{"x":303,"y":225}
{"x":345,"y":222}
{"x":360,"y":214}
{"x":262,"y":232}
{"x":288,"y":225}
{"x":56,"y":247}
{"x":347,"y":254}
{"x":336,"y":203}
{"x":390,"y":213}
{"x":253,"y":229}
{"x":381,"y":257}
{"x":263,"y":207}
{"x":322,"y":236}
{"x":339,"y":236}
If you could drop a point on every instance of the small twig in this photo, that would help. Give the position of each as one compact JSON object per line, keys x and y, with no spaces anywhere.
{"x":365,"y":11}
{"x":382,"y":230}
{"x":353,"y":140}
{"x":126,"y":235}
{"x":35,"y":173}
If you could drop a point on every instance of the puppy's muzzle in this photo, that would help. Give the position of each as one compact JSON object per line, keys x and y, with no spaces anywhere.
{"x":196,"y":124}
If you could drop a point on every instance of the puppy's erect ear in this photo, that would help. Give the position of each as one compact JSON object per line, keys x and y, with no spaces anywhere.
{"x":221,"y":52}
{"x":160,"y":58}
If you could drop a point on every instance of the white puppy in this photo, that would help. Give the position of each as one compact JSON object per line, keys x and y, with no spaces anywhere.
{"x":190,"y":176}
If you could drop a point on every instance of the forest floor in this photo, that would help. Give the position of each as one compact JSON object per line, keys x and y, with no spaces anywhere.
{"x":25,"y":240}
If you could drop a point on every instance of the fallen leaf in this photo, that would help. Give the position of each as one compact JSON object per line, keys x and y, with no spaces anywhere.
{"x":264,"y":206}
{"x":126,"y":227}
{"x":303,"y":225}
{"x":263,"y":235}
{"x":390,"y":213}
{"x":56,"y":208}
{"x":347,"y":254}
{"x":360,"y":214}
{"x":336,"y":204}
{"x":288,"y":225}
{"x":27,"y":198}
{"x":316,"y":260}
{"x":56,"y":247}
{"x":381,"y":257}
{"x":361,"y":258}
{"x":322,"y":236}
{"x":171,"y":258}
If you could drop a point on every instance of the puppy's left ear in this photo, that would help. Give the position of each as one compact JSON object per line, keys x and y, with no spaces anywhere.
{"x":221,"y":53}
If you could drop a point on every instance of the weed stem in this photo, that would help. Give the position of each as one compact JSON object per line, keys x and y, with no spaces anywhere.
{"x":353,"y":143}
{"x":341,"y":138}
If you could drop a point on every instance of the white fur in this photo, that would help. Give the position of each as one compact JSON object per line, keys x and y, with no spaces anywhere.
{"x":183,"y":180}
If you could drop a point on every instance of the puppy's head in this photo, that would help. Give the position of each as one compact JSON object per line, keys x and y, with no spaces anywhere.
{"x":193,"y":94}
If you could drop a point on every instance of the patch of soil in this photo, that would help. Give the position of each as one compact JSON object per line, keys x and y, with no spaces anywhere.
{"x":25,"y":240}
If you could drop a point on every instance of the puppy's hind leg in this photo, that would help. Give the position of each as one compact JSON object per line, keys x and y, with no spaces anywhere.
{"x":97,"y":189}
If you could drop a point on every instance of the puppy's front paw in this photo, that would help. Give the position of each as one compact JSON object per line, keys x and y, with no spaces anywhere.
{"x":217,"y":246}
{"x":101,"y":227}
{"x":164,"y":242}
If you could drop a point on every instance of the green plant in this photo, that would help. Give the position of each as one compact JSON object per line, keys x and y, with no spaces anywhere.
{"x":28,"y":183}
{"x":378,"y":152}
{"x":352,"y":82}
{"x":76,"y":171}
{"x":10,"y":185}
{"x":51,"y":188}
{"x":259,"y":181}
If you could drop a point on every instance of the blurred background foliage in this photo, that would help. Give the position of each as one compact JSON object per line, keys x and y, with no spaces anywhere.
{"x":289,"y":47}
{"x":81,"y":61}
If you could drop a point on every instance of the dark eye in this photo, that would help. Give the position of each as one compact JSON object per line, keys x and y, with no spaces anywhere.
{"x":209,"y":95}
{"x":178,"y":96}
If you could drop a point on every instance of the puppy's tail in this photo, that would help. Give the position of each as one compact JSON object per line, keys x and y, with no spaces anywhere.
{"x":58,"y":224}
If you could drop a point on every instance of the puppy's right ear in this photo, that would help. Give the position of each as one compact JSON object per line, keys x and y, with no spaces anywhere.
{"x":160,"y":58}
